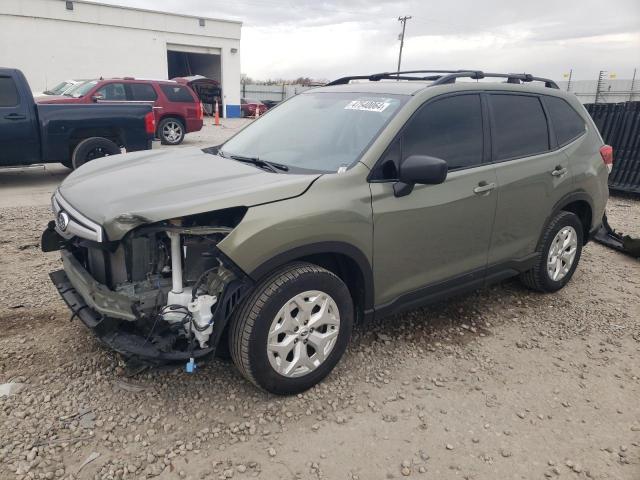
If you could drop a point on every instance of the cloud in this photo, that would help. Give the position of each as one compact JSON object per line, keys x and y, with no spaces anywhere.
{"x":331,"y":38}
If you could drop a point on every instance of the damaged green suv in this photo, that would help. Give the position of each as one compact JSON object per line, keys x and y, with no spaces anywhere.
{"x":371,"y":195}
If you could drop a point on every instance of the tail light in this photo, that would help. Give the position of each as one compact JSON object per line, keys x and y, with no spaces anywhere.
{"x":150,"y":123}
{"x":200,"y":111}
{"x":606,"y":152}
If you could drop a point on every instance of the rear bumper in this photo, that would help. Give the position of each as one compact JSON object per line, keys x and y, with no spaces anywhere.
{"x":194,"y":125}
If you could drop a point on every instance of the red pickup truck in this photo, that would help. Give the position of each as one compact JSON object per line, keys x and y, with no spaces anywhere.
{"x":177,"y":108}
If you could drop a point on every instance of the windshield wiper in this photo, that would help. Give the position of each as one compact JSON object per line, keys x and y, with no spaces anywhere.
{"x":272,"y":166}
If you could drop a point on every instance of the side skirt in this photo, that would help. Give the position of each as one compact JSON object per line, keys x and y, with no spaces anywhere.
{"x":458,"y":285}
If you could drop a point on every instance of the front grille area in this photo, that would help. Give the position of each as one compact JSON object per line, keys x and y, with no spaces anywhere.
{"x":77,"y":225}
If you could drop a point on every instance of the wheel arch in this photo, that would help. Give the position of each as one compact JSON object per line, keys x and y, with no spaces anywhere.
{"x":579,"y":203}
{"x":177,"y":116}
{"x":343,"y":259}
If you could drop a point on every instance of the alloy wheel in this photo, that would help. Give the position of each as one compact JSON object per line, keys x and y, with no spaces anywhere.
{"x":172,"y":131}
{"x":303,"y":333}
{"x":562,"y":253}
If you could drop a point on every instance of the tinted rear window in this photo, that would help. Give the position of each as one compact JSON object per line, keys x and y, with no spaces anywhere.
{"x":142,"y":92}
{"x":520,"y":126}
{"x":177,"y":93}
{"x":450,"y":129}
{"x":567,"y":124}
{"x":8,"y":92}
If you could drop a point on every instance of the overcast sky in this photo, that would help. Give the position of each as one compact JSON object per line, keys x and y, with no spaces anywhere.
{"x":325,"y":39}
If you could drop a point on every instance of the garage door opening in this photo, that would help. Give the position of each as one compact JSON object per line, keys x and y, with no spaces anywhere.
{"x":187,"y":64}
{"x":198,"y":69}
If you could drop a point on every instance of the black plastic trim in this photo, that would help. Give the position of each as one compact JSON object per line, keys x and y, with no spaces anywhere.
{"x":343,"y":248}
{"x":563,"y":202}
{"x":456,"y":286}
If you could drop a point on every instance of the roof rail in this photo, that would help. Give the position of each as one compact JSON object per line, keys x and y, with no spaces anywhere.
{"x":516,"y":78}
{"x":396,"y":76}
{"x":443,"y":77}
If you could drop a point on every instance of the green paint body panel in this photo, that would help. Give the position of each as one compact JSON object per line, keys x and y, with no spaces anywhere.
{"x":436,"y":233}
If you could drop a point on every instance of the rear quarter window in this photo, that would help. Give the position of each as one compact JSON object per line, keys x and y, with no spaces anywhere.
{"x":567,"y":123}
{"x":519,"y":126}
{"x":177,"y":93}
{"x":8,"y":92}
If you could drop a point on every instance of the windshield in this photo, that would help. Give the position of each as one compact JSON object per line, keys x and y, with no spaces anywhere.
{"x":321,"y":131}
{"x":82,"y":89}
{"x":58,"y":89}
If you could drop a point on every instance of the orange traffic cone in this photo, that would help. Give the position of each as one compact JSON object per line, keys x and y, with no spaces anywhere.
{"x":217,"y":116}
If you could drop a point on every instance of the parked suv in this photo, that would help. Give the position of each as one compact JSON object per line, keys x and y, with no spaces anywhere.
{"x":177,"y":108}
{"x":356,"y":200}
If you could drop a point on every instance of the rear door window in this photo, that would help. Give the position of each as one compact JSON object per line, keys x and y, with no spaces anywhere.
{"x":8,"y":92}
{"x":567,"y":124}
{"x":142,"y":92}
{"x":450,"y":129}
{"x":113,"y":91}
{"x":519,"y":126}
{"x":177,"y":93}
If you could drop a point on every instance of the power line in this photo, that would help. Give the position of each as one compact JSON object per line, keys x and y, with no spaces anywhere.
{"x":404,"y":25}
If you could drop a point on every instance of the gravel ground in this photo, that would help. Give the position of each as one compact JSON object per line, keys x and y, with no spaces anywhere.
{"x":502,"y":383}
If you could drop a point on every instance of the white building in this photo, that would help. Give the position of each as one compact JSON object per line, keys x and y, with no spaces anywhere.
{"x":55,"y":40}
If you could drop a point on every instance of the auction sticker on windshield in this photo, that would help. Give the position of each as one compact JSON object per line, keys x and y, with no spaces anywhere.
{"x":368,"y":105}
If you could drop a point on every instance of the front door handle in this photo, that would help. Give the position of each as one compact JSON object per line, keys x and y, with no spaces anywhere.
{"x":15,"y":116}
{"x":484,"y":187}
{"x":559,"y":171}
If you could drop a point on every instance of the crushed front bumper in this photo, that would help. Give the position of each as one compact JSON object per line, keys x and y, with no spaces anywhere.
{"x":114,"y":319}
{"x":96,"y":295}
{"x":108,"y":330}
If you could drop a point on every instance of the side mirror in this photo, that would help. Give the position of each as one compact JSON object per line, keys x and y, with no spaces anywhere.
{"x":97,"y":97}
{"x":419,"y":169}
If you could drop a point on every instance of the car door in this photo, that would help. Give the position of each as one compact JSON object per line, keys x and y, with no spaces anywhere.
{"x":438,"y":235}
{"x":532,"y":174}
{"x":19,"y":138}
{"x":146,"y":93}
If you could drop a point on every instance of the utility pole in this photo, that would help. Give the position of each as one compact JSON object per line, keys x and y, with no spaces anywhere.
{"x":633,"y":84}
{"x":404,"y":25}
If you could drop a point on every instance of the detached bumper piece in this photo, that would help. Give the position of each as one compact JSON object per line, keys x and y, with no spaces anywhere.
{"x":612,"y":239}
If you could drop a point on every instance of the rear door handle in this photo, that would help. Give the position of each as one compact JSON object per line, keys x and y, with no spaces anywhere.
{"x":15,"y":116}
{"x":559,"y":171}
{"x":484,"y":187}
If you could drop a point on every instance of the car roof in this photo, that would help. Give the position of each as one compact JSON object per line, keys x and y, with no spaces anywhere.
{"x":384,"y":87}
{"x":413,"y":88}
{"x":132,"y":79}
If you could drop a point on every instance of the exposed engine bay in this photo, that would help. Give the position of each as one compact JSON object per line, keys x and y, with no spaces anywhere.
{"x":160,"y":291}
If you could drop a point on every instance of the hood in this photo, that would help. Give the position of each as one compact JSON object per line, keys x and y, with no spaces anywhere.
{"x":57,"y":99}
{"x":159,"y":185}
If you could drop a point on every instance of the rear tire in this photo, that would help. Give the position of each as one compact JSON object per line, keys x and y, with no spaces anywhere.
{"x":293,"y":329}
{"x":171,"y":131}
{"x":92,"y":148}
{"x":559,"y":253}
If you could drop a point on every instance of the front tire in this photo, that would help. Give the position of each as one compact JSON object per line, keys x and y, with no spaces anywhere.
{"x":559,"y":253}
{"x":171,"y":131}
{"x":293,"y":329}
